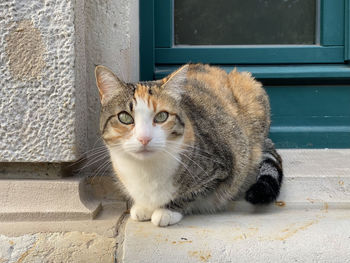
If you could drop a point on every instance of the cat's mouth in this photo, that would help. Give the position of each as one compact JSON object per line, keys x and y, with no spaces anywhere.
{"x":144,"y":152}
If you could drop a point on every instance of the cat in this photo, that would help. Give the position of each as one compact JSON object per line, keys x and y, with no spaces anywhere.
{"x":190,"y":142}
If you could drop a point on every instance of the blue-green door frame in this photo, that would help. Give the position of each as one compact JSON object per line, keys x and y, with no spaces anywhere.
{"x":309,"y":86}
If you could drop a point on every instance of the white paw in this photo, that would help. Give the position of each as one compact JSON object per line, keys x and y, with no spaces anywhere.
{"x":139,"y":213}
{"x":165,"y":217}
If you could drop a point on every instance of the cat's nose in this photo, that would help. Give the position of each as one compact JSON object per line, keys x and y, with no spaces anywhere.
{"x":144,"y":140}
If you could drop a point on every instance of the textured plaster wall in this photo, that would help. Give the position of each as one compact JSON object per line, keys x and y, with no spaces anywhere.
{"x":49,"y":102}
{"x":42,"y":110}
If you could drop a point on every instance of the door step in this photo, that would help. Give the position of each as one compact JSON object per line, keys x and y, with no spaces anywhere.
{"x":316,"y":176}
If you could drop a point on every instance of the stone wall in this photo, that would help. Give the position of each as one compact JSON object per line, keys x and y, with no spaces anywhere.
{"x":41,"y":117}
{"x":49,"y":103}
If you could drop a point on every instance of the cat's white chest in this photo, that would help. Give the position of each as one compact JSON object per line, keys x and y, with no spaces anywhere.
{"x":150,"y":183}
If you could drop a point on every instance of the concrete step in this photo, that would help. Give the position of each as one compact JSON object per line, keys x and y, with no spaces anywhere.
{"x":309,"y":223}
{"x":316,"y":176}
{"x":241,"y":235}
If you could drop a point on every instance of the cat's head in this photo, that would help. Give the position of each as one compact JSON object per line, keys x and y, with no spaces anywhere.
{"x":142,"y":119}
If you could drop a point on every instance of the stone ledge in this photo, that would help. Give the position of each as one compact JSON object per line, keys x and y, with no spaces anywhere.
{"x":63,"y":241}
{"x":62,"y":199}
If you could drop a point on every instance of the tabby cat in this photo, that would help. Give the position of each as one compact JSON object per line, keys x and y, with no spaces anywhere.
{"x":190,"y":142}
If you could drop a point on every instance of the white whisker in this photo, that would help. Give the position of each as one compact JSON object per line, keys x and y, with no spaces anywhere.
{"x":184,"y":165}
{"x":183,"y":154}
{"x":196,"y":153}
{"x":97,"y":158}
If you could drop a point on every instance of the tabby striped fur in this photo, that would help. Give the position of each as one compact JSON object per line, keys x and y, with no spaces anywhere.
{"x":213,"y":147}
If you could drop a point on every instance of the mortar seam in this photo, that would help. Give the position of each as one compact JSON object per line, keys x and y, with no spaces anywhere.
{"x":120,"y":235}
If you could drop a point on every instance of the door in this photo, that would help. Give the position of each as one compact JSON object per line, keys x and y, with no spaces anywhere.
{"x":298,"y":49}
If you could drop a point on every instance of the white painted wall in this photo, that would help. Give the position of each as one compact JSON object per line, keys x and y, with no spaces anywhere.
{"x":112,"y":39}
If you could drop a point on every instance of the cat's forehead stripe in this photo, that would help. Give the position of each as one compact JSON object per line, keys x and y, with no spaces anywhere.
{"x":143,"y":92}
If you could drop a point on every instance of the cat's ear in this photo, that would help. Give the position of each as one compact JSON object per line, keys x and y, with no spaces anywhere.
{"x":107,"y":82}
{"x":173,"y":84}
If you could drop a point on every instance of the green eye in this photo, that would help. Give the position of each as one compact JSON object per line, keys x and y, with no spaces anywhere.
{"x":161,"y":117}
{"x":125,"y":118}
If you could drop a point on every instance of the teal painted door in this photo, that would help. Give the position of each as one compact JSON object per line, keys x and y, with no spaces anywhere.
{"x":308,"y":81}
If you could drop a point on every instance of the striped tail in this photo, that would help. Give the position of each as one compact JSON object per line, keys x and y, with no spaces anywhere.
{"x":269,"y":180}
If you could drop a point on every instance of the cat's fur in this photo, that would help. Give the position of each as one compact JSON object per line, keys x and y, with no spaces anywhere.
{"x":212,"y":148}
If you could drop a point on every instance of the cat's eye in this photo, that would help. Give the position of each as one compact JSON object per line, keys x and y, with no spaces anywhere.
{"x":161,"y":117}
{"x":125,"y":118}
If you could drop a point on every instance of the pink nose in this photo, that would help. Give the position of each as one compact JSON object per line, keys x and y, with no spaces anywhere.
{"x":144,"y":140}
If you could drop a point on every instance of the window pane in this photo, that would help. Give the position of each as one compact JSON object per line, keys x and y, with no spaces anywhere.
{"x":244,"y":22}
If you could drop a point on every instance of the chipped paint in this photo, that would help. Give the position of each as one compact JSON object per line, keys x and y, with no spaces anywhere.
{"x":25,"y":50}
{"x":181,"y":242}
{"x":325,"y":207}
{"x":310,"y":200}
{"x":247,"y":233}
{"x":203,"y":256}
{"x":293,"y":229}
{"x":142,"y":231}
{"x":280,"y":203}
{"x":27,"y":252}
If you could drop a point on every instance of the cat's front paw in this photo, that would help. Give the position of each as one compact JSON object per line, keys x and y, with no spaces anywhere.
{"x":165,"y":217}
{"x":139,"y":213}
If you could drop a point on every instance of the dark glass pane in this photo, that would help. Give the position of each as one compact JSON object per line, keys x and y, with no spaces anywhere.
{"x":244,"y":22}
